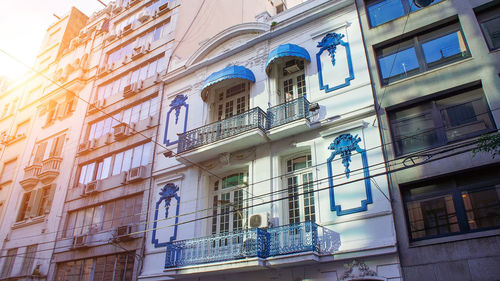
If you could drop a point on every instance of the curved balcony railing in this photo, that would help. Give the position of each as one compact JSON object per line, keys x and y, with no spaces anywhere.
{"x":232,"y":126}
{"x":255,"y":242}
{"x":218,"y":247}
{"x":288,"y":112}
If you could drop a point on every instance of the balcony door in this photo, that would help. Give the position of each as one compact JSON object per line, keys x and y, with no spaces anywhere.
{"x":228,"y":202}
{"x":292,"y":82}
{"x":298,"y":182}
{"x":231,"y":101}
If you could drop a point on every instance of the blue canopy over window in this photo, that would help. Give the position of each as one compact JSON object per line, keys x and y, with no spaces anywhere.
{"x":230,"y":72}
{"x":286,"y":50}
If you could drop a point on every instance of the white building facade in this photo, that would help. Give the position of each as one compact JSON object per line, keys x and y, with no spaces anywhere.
{"x":271,"y":165}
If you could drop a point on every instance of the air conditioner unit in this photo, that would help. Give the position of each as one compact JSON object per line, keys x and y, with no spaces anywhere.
{"x":91,"y":188}
{"x":152,"y":122}
{"x":111,"y":36}
{"x":116,"y":9}
{"x":130,"y":90}
{"x":292,"y":66}
{"x":80,"y":241}
{"x":136,"y":174}
{"x":123,"y":233}
{"x":133,"y":3}
{"x":108,"y":138}
{"x":141,"y":50}
{"x":127,"y":29}
{"x":143,"y":16}
{"x":96,"y":106}
{"x":83,"y":33}
{"x":86,"y":146}
{"x":260,"y":220}
{"x":121,"y":131}
{"x":162,"y":9}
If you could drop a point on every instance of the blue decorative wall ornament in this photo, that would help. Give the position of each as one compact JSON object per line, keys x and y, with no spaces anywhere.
{"x":344,"y":145}
{"x":330,"y":43}
{"x":167,"y":192}
{"x":175,"y":106}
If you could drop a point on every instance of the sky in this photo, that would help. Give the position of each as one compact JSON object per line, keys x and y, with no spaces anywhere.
{"x":23,"y":24}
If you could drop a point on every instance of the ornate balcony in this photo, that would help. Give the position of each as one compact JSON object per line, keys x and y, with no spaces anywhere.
{"x":255,"y":242}
{"x":295,"y":113}
{"x":288,"y":112}
{"x":31,"y":176}
{"x":50,"y":169}
{"x":245,"y":130}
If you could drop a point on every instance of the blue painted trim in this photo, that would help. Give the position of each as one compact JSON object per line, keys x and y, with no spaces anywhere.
{"x":287,"y":50}
{"x":176,"y":104}
{"x":329,"y":43}
{"x":334,"y":207}
{"x":168,"y":192}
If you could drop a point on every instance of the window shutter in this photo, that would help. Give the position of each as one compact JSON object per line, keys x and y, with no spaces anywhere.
{"x":57,"y":145}
{"x":35,"y":200}
{"x":50,"y":199}
{"x":40,"y":153}
{"x":27,"y":212}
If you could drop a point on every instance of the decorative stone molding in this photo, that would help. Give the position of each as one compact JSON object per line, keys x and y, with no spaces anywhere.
{"x":356,"y":270}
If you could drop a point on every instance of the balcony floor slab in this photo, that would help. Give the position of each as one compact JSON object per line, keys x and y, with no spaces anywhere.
{"x":241,"y":141}
{"x":293,"y":128}
{"x":238,"y":265}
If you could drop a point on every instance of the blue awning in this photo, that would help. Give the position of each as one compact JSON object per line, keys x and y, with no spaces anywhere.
{"x":286,"y":50}
{"x":230,"y":72}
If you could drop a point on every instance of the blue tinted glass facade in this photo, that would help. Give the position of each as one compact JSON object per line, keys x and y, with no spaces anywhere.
{"x":380,"y":12}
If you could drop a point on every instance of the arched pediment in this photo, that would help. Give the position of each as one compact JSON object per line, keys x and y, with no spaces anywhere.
{"x":231,"y":37}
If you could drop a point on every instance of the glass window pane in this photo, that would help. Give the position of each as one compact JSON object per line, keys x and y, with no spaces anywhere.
{"x":98,"y":217}
{"x":433,"y":216}
{"x":92,"y":131}
{"x":82,"y":174}
{"x":144,"y":73}
{"x":491,"y":30}
{"x":127,"y":159}
{"x":118,"y":163}
{"x":154,"y":106}
{"x":482,"y":207}
{"x":89,"y":175}
{"x":126,"y":116}
{"x":106,"y":167}
{"x":384,"y":11}
{"x":107,"y":126}
{"x":144,"y":110}
{"x":444,"y":49}
{"x":136,"y":160}
{"x":146,"y":155}
{"x":98,"y":129}
{"x":152,"y":68}
{"x":135,"y":113}
{"x":135,"y":76}
{"x":398,"y":65}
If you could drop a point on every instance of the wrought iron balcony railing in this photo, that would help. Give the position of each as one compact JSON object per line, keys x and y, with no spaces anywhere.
{"x":288,"y":112}
{"x":255,"y":242}
{"x":232,"y":126}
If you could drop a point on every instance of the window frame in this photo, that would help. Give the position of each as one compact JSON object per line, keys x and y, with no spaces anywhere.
{"x":407,"y":5}
{"x":438,"y":120}
{"x":455,"y":190}
{"x":416,"y":42}
{"x":485,"y":13}
{"x":286,"y":174}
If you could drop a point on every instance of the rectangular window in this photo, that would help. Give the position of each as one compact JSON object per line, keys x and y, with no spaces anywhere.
{"x":8,"y":171}
{"x":440,"y":121}
{"x":382,"y":11}
{"x":421,"y":53}
{"x":489,"y":19}
{"x":455,"y":204}
{"x":117,"y":267}
{"x":8,"y":262}
{"x":57,"y":146}
{"x":29,"y":259}
{"x":300,"y":189}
